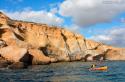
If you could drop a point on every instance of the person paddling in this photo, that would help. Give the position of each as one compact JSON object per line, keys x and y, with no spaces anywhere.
{"x":102,"y":68}
{"x":93,"y":66}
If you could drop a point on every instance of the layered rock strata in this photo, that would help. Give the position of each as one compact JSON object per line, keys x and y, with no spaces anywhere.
{"x":33,"y":43}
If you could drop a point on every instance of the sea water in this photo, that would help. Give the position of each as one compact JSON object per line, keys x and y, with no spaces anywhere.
{"x":66,"y":72}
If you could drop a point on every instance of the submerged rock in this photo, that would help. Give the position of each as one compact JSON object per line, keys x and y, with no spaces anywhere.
{"x":17,"y":65}
{"x":4,"y":63}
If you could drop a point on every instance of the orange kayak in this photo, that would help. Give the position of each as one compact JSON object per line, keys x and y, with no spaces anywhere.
{"x":104,"y":68}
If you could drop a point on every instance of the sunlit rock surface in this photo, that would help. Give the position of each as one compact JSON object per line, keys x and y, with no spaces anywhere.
{"x":34,"y":43}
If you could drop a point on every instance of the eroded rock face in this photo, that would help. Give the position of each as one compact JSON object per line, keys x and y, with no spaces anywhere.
{"x":13,"y":53}
{"x":2,"y":43}
{"x":8,"y":36}
{"x":115,"y":54}
{"x":3,"y":18}
{"x":34,"y":43}
{"x":38,"y":57}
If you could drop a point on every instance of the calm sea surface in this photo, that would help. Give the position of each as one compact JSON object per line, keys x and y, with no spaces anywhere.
{"x":66,"y":72}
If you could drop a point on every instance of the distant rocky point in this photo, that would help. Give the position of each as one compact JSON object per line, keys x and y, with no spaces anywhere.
{"x":27,"y":43}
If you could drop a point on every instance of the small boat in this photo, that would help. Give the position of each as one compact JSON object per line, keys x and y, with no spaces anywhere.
{"x":103,"y":68}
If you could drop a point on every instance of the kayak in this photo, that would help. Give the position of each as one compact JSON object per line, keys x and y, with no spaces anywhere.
{"x":104,"y":68}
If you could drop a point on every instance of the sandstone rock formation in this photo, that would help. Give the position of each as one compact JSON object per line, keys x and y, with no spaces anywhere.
{"x":34,"y":43}
{"x":13,"y":53}
{"x":38,"y":57}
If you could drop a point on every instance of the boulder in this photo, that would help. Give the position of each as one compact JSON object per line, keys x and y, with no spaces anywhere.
{"x":14,"y":53}
{"x":38,"y":57}
{"x":56,"y":53}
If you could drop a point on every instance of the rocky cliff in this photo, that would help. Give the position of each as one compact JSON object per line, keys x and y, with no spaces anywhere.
{"x":33,"y":43}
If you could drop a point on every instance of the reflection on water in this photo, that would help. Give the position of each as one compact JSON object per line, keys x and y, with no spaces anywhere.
{"x":66,"y":72}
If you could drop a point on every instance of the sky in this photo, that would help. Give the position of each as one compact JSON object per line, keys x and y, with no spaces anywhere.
{"x":100,"y":20}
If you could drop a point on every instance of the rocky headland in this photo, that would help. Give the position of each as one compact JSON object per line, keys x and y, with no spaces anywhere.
{"x":27,"y":43}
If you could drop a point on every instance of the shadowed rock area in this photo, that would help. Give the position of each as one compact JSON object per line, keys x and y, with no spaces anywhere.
{"x":27,"y":43}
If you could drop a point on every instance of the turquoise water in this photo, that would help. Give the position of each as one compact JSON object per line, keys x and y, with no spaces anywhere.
{"x":66,"y":72}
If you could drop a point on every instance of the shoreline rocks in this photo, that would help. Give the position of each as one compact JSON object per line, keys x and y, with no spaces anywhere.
{"x":27,"y":43}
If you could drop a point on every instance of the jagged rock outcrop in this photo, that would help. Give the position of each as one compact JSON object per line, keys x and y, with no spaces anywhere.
{"x":38,"y":57}
{"x":115,"y":54}
{"x":34,"y":43}
{"x":14,"y":53}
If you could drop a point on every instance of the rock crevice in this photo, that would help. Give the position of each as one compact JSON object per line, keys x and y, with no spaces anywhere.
{"x":43,"y":44}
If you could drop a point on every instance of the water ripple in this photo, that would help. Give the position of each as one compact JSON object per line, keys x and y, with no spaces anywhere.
{"x":65,"y":72}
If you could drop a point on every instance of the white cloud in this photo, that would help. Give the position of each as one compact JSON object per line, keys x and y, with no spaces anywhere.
{"x":36,"y":16}
{"x":114,"y":36}
{"x":74,"y":28}
{"x":89,"y":12}
{"x":54,"y":10}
